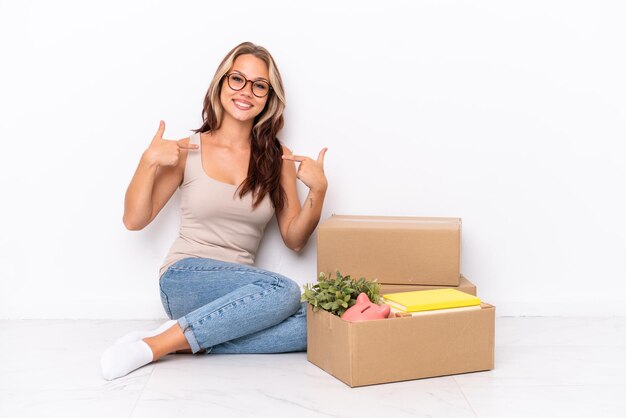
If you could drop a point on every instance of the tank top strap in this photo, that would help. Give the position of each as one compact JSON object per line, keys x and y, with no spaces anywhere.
{"x":194,"y":139}
{"x":193,"y":165}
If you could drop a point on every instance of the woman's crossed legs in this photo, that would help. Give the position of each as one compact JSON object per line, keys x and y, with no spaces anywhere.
{"x":223,"y":308}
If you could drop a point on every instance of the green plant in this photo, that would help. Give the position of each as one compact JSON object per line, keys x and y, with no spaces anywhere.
{"x":337,"y":295}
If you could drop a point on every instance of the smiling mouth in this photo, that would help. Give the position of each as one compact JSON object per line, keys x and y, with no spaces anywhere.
{"x":242,"y":105}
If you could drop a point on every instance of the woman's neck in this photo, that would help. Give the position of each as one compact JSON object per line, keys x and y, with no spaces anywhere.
{"x":234,"y":134}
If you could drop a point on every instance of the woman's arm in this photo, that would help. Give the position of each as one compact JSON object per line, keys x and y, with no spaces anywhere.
{"x":159,"y":173}
{"x":297,"y":223}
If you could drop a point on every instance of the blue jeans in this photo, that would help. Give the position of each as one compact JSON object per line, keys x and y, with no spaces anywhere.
{"x":230,"y":308}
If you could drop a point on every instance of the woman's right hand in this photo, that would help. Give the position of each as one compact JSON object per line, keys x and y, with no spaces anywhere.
{"x":165,"y":152}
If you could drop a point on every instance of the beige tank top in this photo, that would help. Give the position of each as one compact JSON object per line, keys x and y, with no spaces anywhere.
{"x":215,"y":222}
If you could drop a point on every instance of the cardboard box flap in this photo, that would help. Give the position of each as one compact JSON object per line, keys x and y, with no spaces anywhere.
{"x":390,"y":222}
{"x":464,"y":286}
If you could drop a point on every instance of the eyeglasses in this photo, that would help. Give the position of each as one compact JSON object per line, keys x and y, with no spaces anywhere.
{"x":236,"y":81}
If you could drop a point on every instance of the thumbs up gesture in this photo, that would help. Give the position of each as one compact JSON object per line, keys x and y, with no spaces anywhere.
{"x":310,"y":171}
{"x":165,"y":152}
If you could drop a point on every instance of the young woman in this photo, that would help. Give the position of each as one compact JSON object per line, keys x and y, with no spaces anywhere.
{"x":234,"y":175}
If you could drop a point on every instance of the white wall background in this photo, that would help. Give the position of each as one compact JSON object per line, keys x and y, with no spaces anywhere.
{"x":510,"y":115}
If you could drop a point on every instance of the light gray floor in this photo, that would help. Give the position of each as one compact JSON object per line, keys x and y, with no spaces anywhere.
{"x":545,"y":367}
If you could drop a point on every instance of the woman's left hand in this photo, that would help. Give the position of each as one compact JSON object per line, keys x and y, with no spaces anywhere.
{"x":311,"y":172}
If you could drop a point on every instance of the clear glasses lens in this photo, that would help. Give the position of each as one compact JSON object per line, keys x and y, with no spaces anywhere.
{"x":259,"y":88}
{"x":236,"y":82}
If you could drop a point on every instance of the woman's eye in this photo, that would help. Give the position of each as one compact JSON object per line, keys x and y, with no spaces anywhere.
{"x":237,"y":79}
{"x":260,"y":86}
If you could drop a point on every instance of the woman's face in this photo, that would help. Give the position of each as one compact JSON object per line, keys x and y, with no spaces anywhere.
{"x":243,"y":105}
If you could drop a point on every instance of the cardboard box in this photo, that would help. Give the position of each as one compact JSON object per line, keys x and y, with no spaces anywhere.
{"x":393,"y":249}
{"x":396,"y":349}
{"x":464,"y":286}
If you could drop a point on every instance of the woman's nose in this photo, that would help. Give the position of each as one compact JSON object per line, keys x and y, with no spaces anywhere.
{"x":245,"y":88}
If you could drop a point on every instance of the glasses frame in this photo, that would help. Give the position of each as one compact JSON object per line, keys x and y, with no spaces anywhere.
{"x":246,"y":81}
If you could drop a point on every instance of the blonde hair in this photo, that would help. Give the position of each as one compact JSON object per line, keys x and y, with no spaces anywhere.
{"x":266,"y":150}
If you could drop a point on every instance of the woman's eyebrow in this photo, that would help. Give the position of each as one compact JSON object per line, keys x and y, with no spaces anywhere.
{"x":243,"y":74}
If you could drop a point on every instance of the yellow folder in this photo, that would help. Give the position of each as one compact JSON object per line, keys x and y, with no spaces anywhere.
{"x":426,"y":300}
